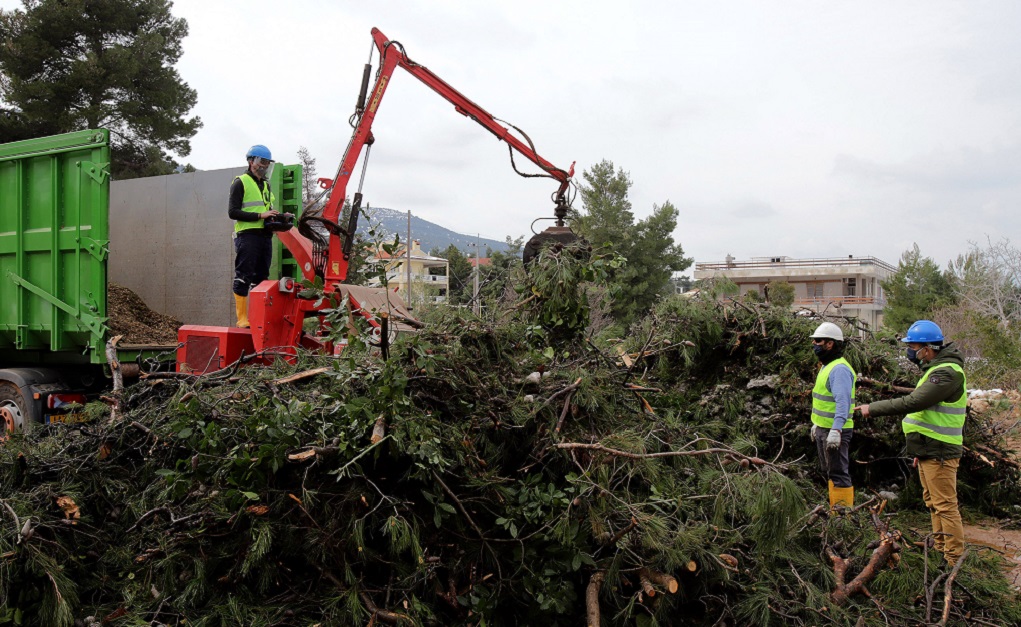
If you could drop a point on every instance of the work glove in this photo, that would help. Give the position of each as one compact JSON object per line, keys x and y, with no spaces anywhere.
{"x":833,"y":439}
{"x":815,"y":432}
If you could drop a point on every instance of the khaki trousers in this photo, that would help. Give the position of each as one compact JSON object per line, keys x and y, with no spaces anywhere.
{"x":939,"y":491}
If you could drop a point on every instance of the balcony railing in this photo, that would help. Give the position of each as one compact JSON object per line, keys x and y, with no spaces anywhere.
{"x":841,"y":301}
{"x":400,"y":277}
{"x":796,"y":263}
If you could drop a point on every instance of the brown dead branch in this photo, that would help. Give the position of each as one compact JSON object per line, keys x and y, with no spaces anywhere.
{"x":615,"y":538}
{"x":638,"y":388}
{"x":558,"y":393}
{"x":662,"y":580}
{"x":884,"y":386}
{"x":947,"y":591}
{"x":889,"y":544}
{"x":460,"y":507}
{"x":728,"y":561}
{"x":161,"y":510}
{"x":301,"y":375}
{"x":592,"y":598}
{"x":567,"y":402}
{"x":646,"y":585}
{"x":117,"y":375}
{"x":998,"y":455}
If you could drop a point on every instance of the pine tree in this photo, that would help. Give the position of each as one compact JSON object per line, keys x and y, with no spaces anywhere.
{"x":74,"y":65}
{"x":915,"y":289}
{"x":652,"y":256}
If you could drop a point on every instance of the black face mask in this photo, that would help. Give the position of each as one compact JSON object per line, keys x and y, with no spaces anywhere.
{"x":824,"y":355}
{"x":913,"y":356}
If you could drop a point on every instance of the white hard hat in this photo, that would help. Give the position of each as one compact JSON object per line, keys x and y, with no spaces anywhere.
{"x":830,"y":331}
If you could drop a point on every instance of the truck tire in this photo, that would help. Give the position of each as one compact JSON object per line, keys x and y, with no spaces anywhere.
{"x":14,"y":410}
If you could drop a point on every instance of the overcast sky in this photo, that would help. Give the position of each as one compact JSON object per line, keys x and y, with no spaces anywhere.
{"x":797,"y":128}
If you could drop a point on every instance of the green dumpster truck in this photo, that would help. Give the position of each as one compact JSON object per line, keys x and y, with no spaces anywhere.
{"x":67,"y":231}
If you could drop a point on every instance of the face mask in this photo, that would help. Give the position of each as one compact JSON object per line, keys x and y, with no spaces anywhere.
{"x":818,"y":349}
{"x":913,"y":356}
{"x":262,"y":167}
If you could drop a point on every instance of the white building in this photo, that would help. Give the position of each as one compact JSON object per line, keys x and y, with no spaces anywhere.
{"x":848,"y":286}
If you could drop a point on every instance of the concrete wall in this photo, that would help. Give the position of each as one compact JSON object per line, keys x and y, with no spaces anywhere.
{"x":170,"y":243}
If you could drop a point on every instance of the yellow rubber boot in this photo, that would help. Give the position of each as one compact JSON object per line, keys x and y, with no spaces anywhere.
{"x":841,"y":496}
{"x":241,"y":308}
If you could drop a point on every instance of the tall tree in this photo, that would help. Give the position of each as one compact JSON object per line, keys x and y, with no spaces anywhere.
{"x":915,"y":290}
{"x":652,"y":255}
{"x":988,"y":281}
{"x":309,"y":178}
{"x":68,"y":65}
{"x":459,"y":274}
{"x":495,"y":278}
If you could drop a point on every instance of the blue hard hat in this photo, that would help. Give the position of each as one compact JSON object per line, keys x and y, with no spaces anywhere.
{"x":924,"y":332}
{"x":260,"y":151}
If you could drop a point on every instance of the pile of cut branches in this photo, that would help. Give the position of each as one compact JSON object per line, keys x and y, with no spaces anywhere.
{"x":489,"y":473}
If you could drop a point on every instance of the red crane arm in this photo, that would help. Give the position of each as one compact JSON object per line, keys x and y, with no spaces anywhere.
{"x":392,"y":55}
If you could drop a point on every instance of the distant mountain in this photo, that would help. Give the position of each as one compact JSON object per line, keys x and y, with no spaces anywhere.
{"x":428,"y":234}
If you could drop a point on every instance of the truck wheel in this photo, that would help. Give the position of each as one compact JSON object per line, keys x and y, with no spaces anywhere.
{"x":13,"y":410}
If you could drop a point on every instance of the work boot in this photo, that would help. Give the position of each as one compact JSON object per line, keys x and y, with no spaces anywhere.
{"x":841,"y":496}
{"x":241,"y":308}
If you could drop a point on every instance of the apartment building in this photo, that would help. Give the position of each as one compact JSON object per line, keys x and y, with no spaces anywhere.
{"x":429,"y":275}
{"x":848,"y":286}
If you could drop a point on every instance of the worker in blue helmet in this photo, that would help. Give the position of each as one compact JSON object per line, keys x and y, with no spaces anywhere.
{"x":250,"y":204}
{"x":933,"y":425}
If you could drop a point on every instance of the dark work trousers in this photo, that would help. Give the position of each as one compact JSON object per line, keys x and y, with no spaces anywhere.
{"x":253,"y":252}
{"x":835,"y":464}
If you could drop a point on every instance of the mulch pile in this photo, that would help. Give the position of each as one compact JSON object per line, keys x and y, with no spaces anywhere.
{"x":131,"y":317}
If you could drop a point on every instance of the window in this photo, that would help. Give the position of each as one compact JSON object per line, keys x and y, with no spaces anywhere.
{"x":850,"y":285}
{"x":814,"y":289}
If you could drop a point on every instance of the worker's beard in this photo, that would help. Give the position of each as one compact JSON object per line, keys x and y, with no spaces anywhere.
{"x":826,"y":356}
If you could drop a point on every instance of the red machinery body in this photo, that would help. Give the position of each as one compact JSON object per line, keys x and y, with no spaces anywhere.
{"x":275,"y":311}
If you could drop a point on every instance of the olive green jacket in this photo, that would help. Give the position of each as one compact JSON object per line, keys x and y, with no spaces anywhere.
{"x":945,"y":384}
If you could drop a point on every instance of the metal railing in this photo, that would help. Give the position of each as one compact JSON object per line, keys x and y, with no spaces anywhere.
{"x":783,"y":262}
{"x":841,"y":301}
{"x":421,"y":278}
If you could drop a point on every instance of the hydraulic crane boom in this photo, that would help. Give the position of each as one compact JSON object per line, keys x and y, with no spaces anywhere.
{"x":277,"y":310}
{"x":392,"y":56}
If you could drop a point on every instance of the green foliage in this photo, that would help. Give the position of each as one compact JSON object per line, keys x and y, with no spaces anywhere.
{"x":244,"y":500}
{"x":555,"y":286}
{"x":70,"y":66}
{"x":780,"y":294}
{"x":497,"y":279}
{"x":915,"y":289}
{"x":460,"y":281}
{"x":648,"y":245}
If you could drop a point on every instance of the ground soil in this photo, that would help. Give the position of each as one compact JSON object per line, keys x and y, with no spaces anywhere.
{"x":130,"y":317}
{"x":1003,"y":411}
{"x":1006,"y":541}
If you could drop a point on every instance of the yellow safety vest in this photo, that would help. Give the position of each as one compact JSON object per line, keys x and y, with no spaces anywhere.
{"x":824,"y":406}
{"x":254,"y":201}
{"x":943,"y":421}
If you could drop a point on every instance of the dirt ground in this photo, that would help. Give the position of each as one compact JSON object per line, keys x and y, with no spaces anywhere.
{"x":1004,"y":411}
{"x":1006,"y":541}
{"x":131,"y":317}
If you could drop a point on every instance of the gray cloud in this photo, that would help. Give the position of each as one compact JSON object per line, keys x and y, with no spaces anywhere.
{"x":964,"y":169}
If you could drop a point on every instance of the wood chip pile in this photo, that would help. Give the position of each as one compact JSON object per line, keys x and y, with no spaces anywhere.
{"x":131,"y":317}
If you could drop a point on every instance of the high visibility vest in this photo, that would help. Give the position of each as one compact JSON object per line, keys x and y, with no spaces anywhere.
{"x":824,"y":406}
{"x":254,"y":201}
{"x":943,"y":421}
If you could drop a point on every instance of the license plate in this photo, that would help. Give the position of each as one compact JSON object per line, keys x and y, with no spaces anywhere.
{"x":66,"y":418}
